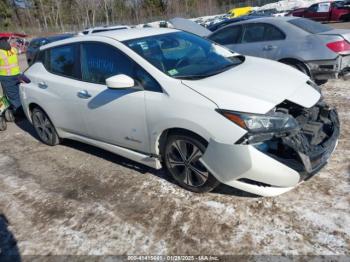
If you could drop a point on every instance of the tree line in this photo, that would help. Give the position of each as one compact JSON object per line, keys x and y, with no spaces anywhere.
{"x":72,"y":15}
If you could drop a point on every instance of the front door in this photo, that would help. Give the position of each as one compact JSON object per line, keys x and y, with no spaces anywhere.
{"x":114,"y":116}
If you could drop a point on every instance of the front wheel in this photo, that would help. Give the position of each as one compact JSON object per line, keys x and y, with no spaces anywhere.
{"x":44,"y":128}
{"x":182,"y":160}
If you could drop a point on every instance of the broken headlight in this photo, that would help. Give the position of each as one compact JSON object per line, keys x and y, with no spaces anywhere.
{"x":262,"y":127}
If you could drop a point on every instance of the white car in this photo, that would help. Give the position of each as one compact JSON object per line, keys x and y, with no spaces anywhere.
{"x":100,"y":29}
{"x":164,"y":97}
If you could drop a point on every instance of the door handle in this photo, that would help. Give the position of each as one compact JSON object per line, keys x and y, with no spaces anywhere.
{"x":42,"y":85}
{"x":269,"y":47}
{"x":84,"y":94}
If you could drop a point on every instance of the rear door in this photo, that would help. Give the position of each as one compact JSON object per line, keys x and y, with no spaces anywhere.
{"x":56,"y":83}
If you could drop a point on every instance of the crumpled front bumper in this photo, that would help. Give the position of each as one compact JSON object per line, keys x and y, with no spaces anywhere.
{"x":255,"y":169}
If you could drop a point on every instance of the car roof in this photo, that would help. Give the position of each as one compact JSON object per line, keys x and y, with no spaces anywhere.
{"x":268,"y":19}
{"x":106,"y":27}
{"x":119,"y":35}
{"x":135,"y":33}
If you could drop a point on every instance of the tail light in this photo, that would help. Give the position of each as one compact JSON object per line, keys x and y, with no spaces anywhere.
{"x":339,"y":46}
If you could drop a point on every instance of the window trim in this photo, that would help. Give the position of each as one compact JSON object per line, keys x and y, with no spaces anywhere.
{"x":47,"y":58}
{"x":263,"y":23}
{"x":123,"y":53}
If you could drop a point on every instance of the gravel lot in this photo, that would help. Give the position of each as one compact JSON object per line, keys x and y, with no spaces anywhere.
{"x":76,"y":199}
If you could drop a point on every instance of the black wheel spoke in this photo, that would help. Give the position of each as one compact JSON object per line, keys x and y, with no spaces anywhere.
{"x":181,"y":148}
{"x":175,"y":163}
{"x":195,"y":155}
{"x":188,"y":177}
{"x":200,"y":175}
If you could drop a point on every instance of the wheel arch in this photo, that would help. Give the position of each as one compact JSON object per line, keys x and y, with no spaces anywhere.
{"x":295,"y":61}
{"x":162,"y":138}
{"x":34,"y":105}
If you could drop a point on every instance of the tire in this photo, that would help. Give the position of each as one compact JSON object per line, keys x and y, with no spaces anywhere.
{"x":320,"y":82}
{"x":181,"y":157}
{"x":3,"y":124}
{"x":44,"y":127}
{"x":9,"y":115}
{"x":299,"y":66}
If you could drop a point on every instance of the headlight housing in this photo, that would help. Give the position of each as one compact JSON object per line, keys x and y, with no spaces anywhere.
{"x":274,"y":122}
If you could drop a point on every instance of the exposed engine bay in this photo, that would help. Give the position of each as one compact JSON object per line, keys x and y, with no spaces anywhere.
{"x":307,"y":148}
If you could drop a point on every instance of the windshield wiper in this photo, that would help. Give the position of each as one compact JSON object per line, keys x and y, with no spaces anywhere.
{"x":191,"y":77}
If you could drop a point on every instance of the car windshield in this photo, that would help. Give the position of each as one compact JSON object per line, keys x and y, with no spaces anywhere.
{"x":183,"y":55}
{"x":310,"y":26}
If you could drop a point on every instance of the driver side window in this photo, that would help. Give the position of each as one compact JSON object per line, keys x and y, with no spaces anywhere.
{"x":100,"y":61}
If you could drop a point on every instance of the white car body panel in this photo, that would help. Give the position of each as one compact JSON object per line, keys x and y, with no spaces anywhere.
{"x":260,"y":92}
{"x":130,"y":122}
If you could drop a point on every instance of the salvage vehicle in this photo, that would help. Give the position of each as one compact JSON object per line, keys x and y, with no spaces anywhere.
{"x":325,"y":11}
{"x":168,"y":98}
{"x":36,"y":43}
{"x":317,"y":50}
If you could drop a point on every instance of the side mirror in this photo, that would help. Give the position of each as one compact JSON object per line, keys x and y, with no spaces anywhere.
{"x":120,"y":81}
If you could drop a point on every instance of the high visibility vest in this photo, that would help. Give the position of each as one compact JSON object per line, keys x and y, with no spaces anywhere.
{"x":9,"y":62}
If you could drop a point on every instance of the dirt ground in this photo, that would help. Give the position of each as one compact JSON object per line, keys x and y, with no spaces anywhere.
{"x":79,"y":200}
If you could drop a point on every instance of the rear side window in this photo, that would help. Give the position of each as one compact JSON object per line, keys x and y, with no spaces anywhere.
{"x":309,"y":25}
{"x":228,"y":35}
{"x":64,"y":61}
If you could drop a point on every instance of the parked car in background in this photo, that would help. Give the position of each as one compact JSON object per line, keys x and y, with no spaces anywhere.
{"x":94,"y":30}
{"x":325,"y":11}
{"x":164,"y":97}
{"x":223,"y":23}
{"x":36,"y":43}
{"x":240,"y":11}
{"x":313,"y":48}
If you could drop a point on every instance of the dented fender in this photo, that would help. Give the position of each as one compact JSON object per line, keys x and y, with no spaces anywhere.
{"x":230,"y":162}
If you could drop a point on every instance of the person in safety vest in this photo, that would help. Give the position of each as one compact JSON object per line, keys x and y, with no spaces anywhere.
{"x":9,"y":77}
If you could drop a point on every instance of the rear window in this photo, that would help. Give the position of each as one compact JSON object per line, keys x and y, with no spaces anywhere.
{"x":310,"y":26}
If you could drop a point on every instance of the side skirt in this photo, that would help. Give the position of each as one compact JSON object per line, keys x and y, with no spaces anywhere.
{"x":127,"y":153}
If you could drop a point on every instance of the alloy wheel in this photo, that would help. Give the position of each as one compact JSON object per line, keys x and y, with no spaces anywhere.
{"x":43,"y":126}
{"x":184,"y":163}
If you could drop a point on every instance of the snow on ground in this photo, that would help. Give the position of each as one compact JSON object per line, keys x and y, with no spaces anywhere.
{"x":79,"y":200}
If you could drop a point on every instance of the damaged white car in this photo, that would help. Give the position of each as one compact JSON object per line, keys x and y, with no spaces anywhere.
{"x":164,"y":97}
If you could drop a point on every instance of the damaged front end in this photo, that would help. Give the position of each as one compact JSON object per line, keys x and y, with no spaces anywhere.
{"x":307,"y":148}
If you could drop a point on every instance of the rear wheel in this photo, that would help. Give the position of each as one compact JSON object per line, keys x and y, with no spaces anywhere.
{"x":3,"y":124}
{"x":299,"y":66}
{"x":302,"y":68}
{"x":182,"y":159}
{"x":9,"y":115}
{"x":44,"y":127}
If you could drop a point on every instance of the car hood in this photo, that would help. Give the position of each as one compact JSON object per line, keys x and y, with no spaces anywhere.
{"x":256,"y":86}
{"x":189,"y":26}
